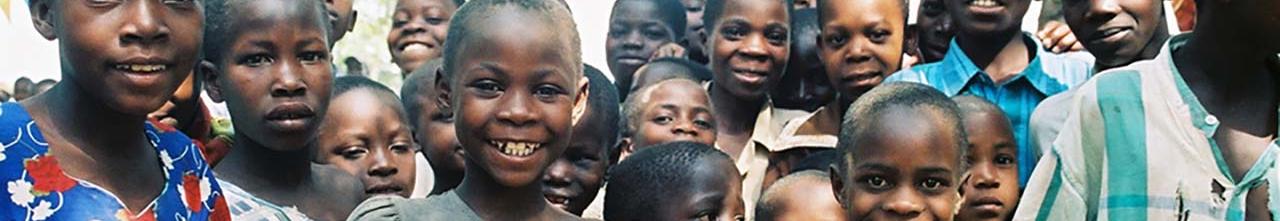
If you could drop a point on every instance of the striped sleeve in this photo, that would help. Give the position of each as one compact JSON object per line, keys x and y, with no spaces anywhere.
{"x":1058,"y":187}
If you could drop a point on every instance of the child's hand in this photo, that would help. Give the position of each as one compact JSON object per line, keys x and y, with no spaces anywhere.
{"x":669,"y":50}
{"x":1057,"y":37}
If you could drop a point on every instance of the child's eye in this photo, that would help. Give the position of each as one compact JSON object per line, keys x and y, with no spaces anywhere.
{"x":777,"y":37}
{"x":733,"y":32}
{"x":1005,"y":160}
{"x":179,"y":2}
{"x":616,"y":32}
{"x":547,"y":91}
{"x":933,"y":184}
{"x":708,"y":216}
{"x":878,"y":36}
{"x":402,"y":148}
{"x":312,"y":57}
{"x":703,"y":124}
{"x":876,"y":182}
{"x":355,"y":152}
{"x":256,"y":60}
{"x":663,"y":120}
{"x":836,"y":40}
{"x":487,"y":87}
{"x":655,"y":33}
{"x":445,"y":116}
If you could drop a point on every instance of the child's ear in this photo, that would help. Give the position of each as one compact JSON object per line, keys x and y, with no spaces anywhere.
{"x":210,"y":73}
{"x":580,"y":102}
{"x":837,"y":186}
{"x":42,"y":19}
{"x":624,"y":148}
{"x":443,"y":99}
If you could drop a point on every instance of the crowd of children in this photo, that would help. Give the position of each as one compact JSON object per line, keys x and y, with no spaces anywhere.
{"x":709,"y":110}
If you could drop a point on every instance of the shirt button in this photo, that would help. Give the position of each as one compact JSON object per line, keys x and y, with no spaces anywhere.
{"x":1211,"y":120}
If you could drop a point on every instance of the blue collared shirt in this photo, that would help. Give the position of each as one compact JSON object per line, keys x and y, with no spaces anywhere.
{"x":1047,"y":74}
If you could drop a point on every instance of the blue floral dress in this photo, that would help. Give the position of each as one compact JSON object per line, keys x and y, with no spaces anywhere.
{"x":37,"y":189}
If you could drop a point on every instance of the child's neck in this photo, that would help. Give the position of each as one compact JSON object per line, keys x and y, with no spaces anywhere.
{"x":256,"y":165}
{"x":70,"y":115}
{"x":734,"y":115}
{"x":1001,"y":56}
{"x":492,"y":201}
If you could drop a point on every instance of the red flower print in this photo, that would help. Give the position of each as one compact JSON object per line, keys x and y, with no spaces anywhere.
{"x":220,"y":211}
{"x":47,"y":175}
{"x":147,"y":215}
{"x":191,"y":192}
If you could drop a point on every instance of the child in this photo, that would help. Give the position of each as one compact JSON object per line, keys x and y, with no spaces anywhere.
{"x":694,"y":35}
{"x":418,"y":28}
{"x":84,"y":150}
{"x":803,"y":195}
{"x":1116,"y":34}
{"x":637,"y":28}
{"x":934,"y":30}
{"x":366,"y":134}
{"x":187,"y":112}
{"x":276,"y":86}
{"x":573,"y":181}
{"x":662,"y":69}
{"x":513,"y":77}
{"x":1187,"y":135}
{"x":672,"y":110}
{"x":902,"y":149}
{"x":991,"y":58}
{"x":674,"y":181}
{"x":433,"y":127}
{"x":748,"y":45}
{"x":23,"y":87}
{"x":988,"y":191}
{"x":804,"y":86}
{"x":343,"y":18}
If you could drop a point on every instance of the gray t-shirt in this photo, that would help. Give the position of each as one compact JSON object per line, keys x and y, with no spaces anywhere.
{"x":446,"y":206}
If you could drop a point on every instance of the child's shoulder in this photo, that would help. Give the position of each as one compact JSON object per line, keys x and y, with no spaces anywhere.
{"x":20,"y":137}
{"x":446,"y":206}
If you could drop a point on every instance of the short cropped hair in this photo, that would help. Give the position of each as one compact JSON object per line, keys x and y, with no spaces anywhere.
{"x":864,"y":114}
{"x":638,"y":184}
{"x":691,"y":70}
{"x":633,"y":107}
{"x":344,"y":84}
{"x":714,"y":8}
{"x":220,"y":28}
{"x":906,"y":12}
{"x":602,"y":102}
{"x":419,"y":83}
{"x":769,"y":203}
{"x":462,"y":27}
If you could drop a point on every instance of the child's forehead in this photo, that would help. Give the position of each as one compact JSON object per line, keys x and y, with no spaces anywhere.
{"x":259,"y":15}
{"x":755,"y":8}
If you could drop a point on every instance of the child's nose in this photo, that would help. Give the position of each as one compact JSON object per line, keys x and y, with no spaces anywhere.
{"x":1102,"y":10}
{"x":558,"y":174}
{"x":515,"y":110}
{"x":684,"y":128}
{"x":288,"y":84}
{"x":984,"y":177}
{"x":144,"y":27}
{"x":382,"y":166}
{"x":904,"y":203}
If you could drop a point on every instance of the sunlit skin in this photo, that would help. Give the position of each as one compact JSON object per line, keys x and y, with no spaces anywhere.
{"x":418,"y":30}
{"x":675,"y":110}
{"x":991,"y":36}
{"x":749,"y":45}
{"x":860,"y":44}
{"x":92,"y":119}
{"x":636,"y":31}
{"x":513,"y":82}
{"x":276,"y":84}
{"x":991,"y":188}
{"x":367,"y":135}
{"x":1118,"y":32}
{"x":908,"y":169}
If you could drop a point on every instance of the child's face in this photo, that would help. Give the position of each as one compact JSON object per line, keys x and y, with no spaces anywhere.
{"x":805,"y":84}
{"x":861,"y":43}
{"x":715,"y":195}
{"x":436,"y":135}
{"x":676,"y":111}
{"x":342,"y":15}
{"x":693,"y":23}
{"x":418,"y":29}
{"x":130,"y":55}
{"x":1114,"y":31}
{"x":991,"y":190}
{"x":809,"y":200}
{"x":367,"y":137}
{"x":749,"y":46}
{"x":276,"y":82}
{"x":513,"y":92}
{"x":907,"y":169}
{"x":935,"y":30}
{"x":574,"y":179}
{"x":987,"y":17}
{"x":635,"y":32}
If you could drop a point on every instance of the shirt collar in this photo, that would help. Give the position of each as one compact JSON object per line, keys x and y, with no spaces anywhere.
{"x":965,"y":71}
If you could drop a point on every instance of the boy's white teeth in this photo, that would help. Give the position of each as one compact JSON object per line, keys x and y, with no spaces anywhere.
{"x":415,"y":46}
{"x":515,"y":148}
{"x":984,"y":3}
{"x":141,"y":67}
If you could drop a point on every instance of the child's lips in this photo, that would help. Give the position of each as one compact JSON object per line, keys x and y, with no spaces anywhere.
{"x":986,"y":204}
{"x":293,"y":116}
{"x":383,"y":189}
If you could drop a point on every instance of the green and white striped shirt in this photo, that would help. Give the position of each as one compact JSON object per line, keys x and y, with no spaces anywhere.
{"x":1137,"y":145}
